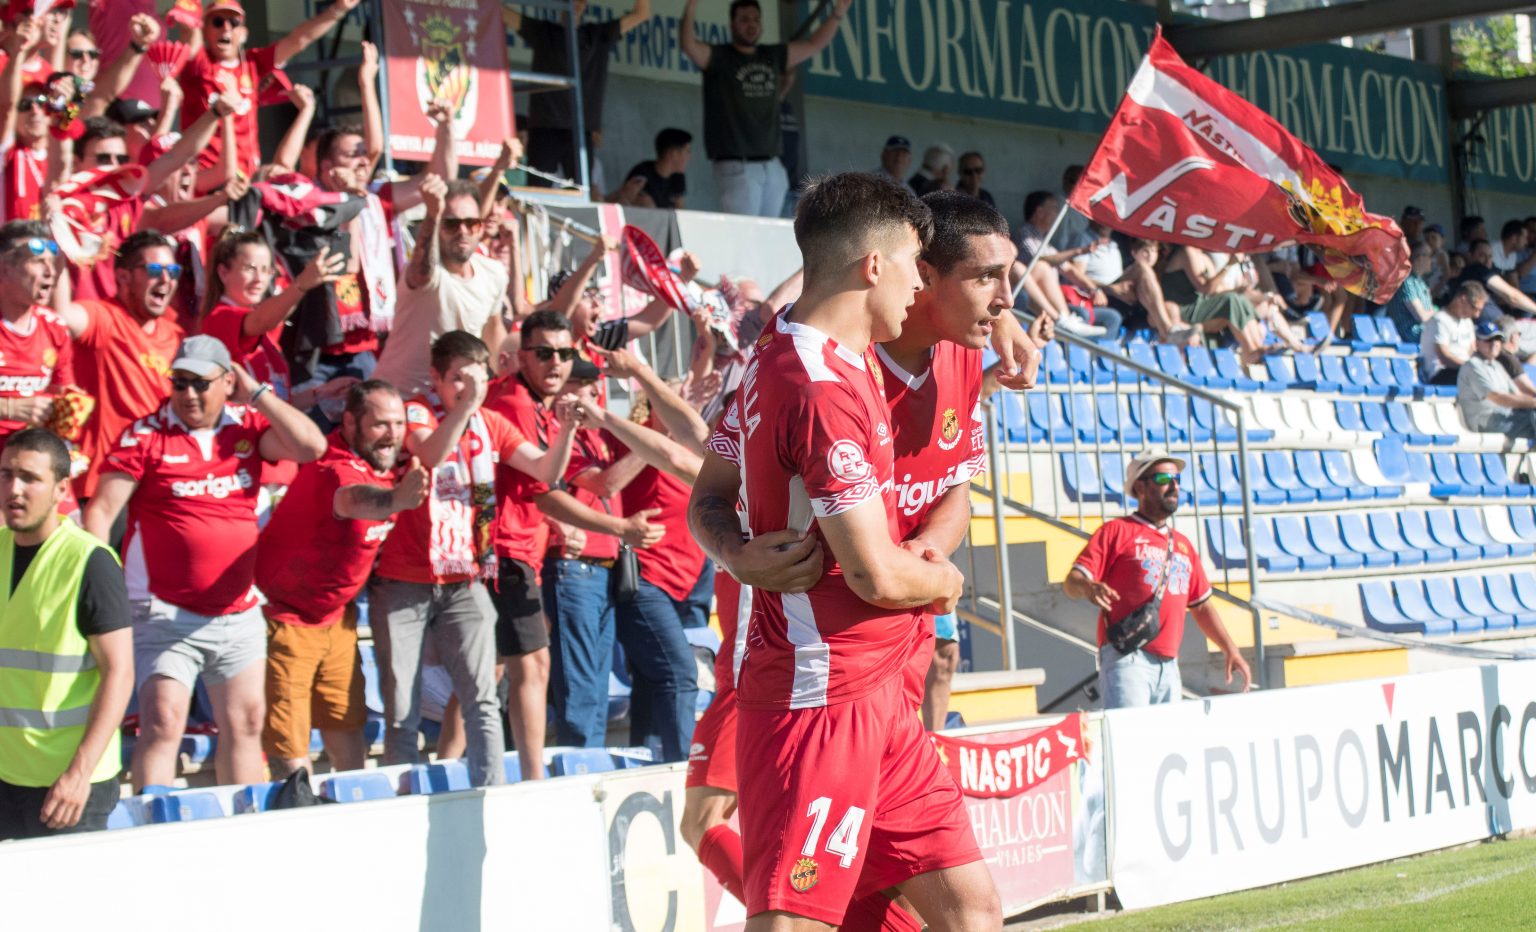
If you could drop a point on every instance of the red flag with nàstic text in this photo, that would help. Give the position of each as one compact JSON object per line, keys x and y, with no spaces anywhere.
{"x":1188,"y":161}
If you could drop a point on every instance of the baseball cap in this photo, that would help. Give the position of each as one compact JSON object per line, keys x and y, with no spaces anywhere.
{"x":131,"y":110}
{"x":1412,"y":213}
{"x":1435,"y":228}
{"x":584,"y":371}
{"x":224,"y":6}
{"x":1488,"y":330}
{"x":1144,"y":462}
{"x":899,"y":142}
{"x":202,"y":356}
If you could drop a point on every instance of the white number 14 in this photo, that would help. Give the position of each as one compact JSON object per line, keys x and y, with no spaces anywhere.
{"x":844,"y":841}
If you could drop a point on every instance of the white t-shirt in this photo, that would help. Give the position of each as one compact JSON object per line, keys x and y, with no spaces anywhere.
{"x":447,"y":302}
{"x":1453,"y":333}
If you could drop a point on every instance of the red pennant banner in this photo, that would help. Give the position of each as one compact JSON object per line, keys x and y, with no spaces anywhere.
{"x":991,"y":771}
{"x":1187,"y":161}
{"x":645,"y":269}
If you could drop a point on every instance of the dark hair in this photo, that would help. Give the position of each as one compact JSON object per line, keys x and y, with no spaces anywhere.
{"x":462,"y":187}
{"x":357,"y":395}
{"x":972,"y":155}
{"x":840,"y":217}
{"x":16,"y":232}
{"x":1511,"y":228}
{"x":739,"y":4}
{"x":956,"y":218}
{"x":330,"y":134}
{"x":38,"y":440}
{"x":128,"y":250}
{"x":671,"y":138}
{"x":1070,"y":176}
{"x":458,"y":344}
{"x":544,"y":320}
{"x":98,"y":127}
{"x":231,"y":241}
{"x":1033,"y":200}
{"x":1470,"y":223}
{"x":1473,"y":292}
{"x":1476,"y":243}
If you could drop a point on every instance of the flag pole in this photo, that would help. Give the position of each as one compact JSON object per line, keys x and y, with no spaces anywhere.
{"x":1055,"y":225}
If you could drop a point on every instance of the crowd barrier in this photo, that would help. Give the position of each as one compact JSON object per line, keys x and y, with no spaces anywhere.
{"x":1165,"y":803}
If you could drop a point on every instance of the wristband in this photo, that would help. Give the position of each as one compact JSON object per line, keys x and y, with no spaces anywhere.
{"x":137,"y":48}
{"x":260,"y":390}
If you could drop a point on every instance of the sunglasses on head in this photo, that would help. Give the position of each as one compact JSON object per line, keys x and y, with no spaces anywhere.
{"x":546,"y":353}
{"x":28,"y":104}
{"x":157,"y":269}
{"x":92,"y":54}
{"x":181,"y":383}
{"x":109,"y":159}
{"x":219,"y":22}
{"x":1163,"y":478}
{"x":455,"y":224}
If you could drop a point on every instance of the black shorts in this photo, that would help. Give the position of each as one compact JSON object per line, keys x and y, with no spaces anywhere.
{"x":520,"y":627}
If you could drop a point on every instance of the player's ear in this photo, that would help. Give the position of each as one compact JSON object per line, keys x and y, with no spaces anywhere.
{"x":870,"y":267}
{"x":927,"y":272}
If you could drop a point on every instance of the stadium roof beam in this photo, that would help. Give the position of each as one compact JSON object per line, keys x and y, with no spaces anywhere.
{"x":1209,"y":39}
{"x":1466,"y":99}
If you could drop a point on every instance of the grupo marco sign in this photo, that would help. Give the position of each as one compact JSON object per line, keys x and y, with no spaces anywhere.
{"x":1065,"y":65}
{"x":1240,"y":792}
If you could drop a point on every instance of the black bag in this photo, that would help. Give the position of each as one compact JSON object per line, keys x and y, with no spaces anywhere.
{"x":1141,"y":626}
{"x":296,"y":793}
{"x":624,"y":579}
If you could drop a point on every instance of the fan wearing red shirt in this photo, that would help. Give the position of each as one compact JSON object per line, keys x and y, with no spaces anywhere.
{"x":224,"y":67}
{"x":23,"y":126}
{"x":36,"y":352}
{"x":428,"y":582}
{"x":1120,"y":570}
{"x":188,"y":474}
{"x":312,"y":559}
{"x":843,"y":796}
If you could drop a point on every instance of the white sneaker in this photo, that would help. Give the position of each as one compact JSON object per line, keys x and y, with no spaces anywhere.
{"x":1078,"y":327}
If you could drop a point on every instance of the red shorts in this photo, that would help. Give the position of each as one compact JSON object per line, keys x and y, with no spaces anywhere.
{"x":843,"y":801}
{"x":712,"y":758}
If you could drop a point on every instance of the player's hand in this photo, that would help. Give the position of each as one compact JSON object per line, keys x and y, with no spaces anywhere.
{"x":1236,"y":664}
{"x":433,"y":191}
{"x":65,"y":800}
{"x":779,"y":561}
{"x":639,"y":531}
{"x":411,"y":490}
{"x":1018,"y":356}
{"x":954,"y":584}
{"x":143,"y":29}
{"x":1103,"y":595}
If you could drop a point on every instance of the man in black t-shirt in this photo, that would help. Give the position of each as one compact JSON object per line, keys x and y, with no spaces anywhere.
{"x":742,"y":136}
{"x":660,"y":183}
{"x":1480,"y":269}
{"x":551,"y":118}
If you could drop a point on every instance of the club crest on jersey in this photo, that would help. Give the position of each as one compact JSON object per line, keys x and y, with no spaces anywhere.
{"x":804,"y":875}
{"x":243,"y":447}
{"x":765,"y":339}
{"x":949,"y":430}
{"x":50,"y":358}
{"x":846,"y":461}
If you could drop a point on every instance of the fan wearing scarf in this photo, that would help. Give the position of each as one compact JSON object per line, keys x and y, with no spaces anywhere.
{"x":430,"y":578}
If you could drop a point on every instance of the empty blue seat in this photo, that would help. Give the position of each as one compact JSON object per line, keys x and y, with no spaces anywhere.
{"x":1080,"y":363}
{"x":1384,"y":375}
{"x":1323,"y":531}
{"x":1392,"y":460}
{"x":1442,"y":527}
{"x":357,"y":787}
{"x":1115,"y":419}
{"x":1045,"y":415}
{"x":1498,"y":476}
{"x":1264,"y":491}
{"x":1147,"y":414}
{"x":1053,"y":367}
{"x":1112,"y":475}
{"x":1525,"y":588}
{"x":1224,"y":541}
{"x":1082,"y":413}
{"x":1411,"y":600}
{"x":1317,"y":326}
{"x":1356,"y":535}
{"x":1441,"y":597}
{"x":1109,"y":364}
{"x":581,"y":760}
{"x":1501,"y":595}
{"x":1216,"y":482}
{"x":1448,"y":478}
{"x":1333,"y":372}
{"x":1012,"y":420}
{"x":1176,"y":411}
{"x":1142,"y":354}
{"x":1382,"y":612}
{"x":1216,"y":424}
{"x":1469,"y":521}
{"x":197,"y":749}
{"x":1367,"y":336}
{"x":1282,"y":475}
{"x":1388,"y":536}
{"x":1171,"y":362}
{"x":1080,"y":476}
{"x":1416,"y":532}
{"x":256,"y":797}
{"x":512,"y":764}
{"x":1401,"y":422}
{"x":120,"y":817}
{"x":1291,"y":534}
{"x":1281,"y":371}
{"x":1523,"y":521}
{"x":1267,"y":550}
{"x":1470,"y":466}
{"x":1309,"y":374}
{"x":1359,"y":372}
{"x":1309,"y":468}
{"x":1349,"y":415}
{"x":1373,"y":417}
{"x":445,"y":776}
{"x":1387,"y":329}
{"x":1228,"y":366}
{"x":1469,"y":592}
{"x":1202,"y":369}
{"x":184,"y":807}
{"x":1340,"y":472}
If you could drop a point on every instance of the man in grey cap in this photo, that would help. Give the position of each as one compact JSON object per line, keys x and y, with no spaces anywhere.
{"x":895,"y":159}
{"x":1140,"y":568}
{"x":190,"y":475}
{"x":1487,"y":396}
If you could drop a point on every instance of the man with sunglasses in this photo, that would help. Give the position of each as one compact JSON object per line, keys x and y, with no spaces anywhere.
{"x":36,"y":351}
{"x":1130,"y":562}
{"x":189,"y":475}
{"x":448,"y":285}
{"x":224,"y":67}
{"x":973,"y":168}
{"x":23,"y":128}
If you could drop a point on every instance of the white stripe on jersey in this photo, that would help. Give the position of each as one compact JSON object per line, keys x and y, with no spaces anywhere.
{"x":743,"y":622}
{"x":812,"y":654}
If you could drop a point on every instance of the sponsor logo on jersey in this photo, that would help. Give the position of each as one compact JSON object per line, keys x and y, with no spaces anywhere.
{"x":846,"y":461}
{"x":914,"y":497}
{"x":212,"y":486}
{"x":804,"y":875}
{"x":949,"y":430}
{"x":177,"y":459}
{"x":24,"y":384}
{"x":378,"y":532}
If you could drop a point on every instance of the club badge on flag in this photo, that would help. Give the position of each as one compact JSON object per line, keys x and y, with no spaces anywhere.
{"x":81,"y":224}
{"x":1188,"y":161}
{"x":644,"y":268}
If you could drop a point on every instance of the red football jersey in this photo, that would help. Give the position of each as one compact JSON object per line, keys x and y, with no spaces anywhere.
{"x":192,"y":520}
{"x":35,"y":360}
{"x":521,"y":532}
{"x":22,"y":175}
{"x":201,"y":77}
{"x":674,"y":563}
{"x":936,"y":421}
{"x":591,"y":451}
{"x":309,"y":562}
{"x":816,"y":443}
{"x":1128,"y":554}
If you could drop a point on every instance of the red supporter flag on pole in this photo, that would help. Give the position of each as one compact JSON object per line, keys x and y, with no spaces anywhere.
{"x":1187,"y":161}
{"x":644,"y":268}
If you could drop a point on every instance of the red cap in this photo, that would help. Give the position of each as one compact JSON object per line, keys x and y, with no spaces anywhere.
{"x":224,"y":6}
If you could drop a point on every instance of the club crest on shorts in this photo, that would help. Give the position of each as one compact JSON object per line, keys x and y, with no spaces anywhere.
{"x":804,"y":875}
{"x":949,"y":429}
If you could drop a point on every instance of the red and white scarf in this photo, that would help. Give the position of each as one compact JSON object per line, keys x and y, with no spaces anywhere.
{"x":463,"y":503}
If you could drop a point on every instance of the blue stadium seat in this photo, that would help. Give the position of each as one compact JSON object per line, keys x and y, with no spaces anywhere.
{"x":1498,"y":476}
{"x":1080,"y":362}
{"x":1356,"y":535}
{"x":1401,"y":423}
{"x":1501,"y":595}
{"x":1053,"y":367}
{"x":1442,"y":527}
{"x":1407,"y":373}
{"x":1334,"y":373}
{"x":197,"y":749}
{"x":121,"y":816}
{"x":1388,"y":537}
{"x":1365,"y":338}
{"x":257,"y":797}
{"x":1228,"y":366}
{"x":1525,"y":588}
{"x":1523,"y":520}
{"x":1011,"y":420}
{"x":1224,"y":541}
{"x":1309,"y":374}
{"x":581,"y":760}
{"x":631,"y":758}
{"x":1282,"y":475}
{"x":1083,"y":416}
{"x":1387,"y":329}
{"x":1410,"y":599}
{"x":1448,"y":479}
{"x":1373,"y":418}
{"x":1264,"y":491}
{"x":1216,"y":482}
{"x":1171,"y":361}
{"x":1282,"y":371}
{"x":1416,"y":532}
{"x":1176,"y":412}
{"x":445,"y":776}
{"x":1317,"y":326}
{"x":1309,"y":468}
{"x":1112,"y":475}
{"x":1470,"y":523}
{"x":1476,"y":482}
{"x":1045,"y":416}
{"x":1291,"y":534}
{"x":1323,"y":531}
{"x":1349,"y":415}
{"x":1215,"y":423}
{"x":1142,"y":354}
{"x":1392,"y":460}
{"x":1115,"y":419}
{"x":357,"y":786}
{"x":372,"y":697}
{"x":1441,"y":596}
{"x":1469,"y":592}
{"x":1147,"y":414}
{"x":1382,"y":612}
{"x":1109,"y":364}
{"x":1383,"y":374}
{"x":1339,"y":472}
{"x":1080,"y":476}
{"x":1359,"y":373}
{"x":1267,"y":550}
{"x":184,"y":807}
{"x":1203,"y":371}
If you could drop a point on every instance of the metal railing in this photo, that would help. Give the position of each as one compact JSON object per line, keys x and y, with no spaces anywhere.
{"x":1045,"y":448}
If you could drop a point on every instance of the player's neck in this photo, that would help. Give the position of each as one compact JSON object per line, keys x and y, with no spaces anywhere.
{"x":841,"y":316}
{"x":913,"y":350}
{"x":16,"y":313}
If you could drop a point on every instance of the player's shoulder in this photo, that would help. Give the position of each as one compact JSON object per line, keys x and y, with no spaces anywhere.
{"x":51,"y":323}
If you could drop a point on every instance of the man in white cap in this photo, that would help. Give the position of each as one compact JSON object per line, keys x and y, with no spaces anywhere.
{"x":1143,"y":575}
{"x":189,"y":473}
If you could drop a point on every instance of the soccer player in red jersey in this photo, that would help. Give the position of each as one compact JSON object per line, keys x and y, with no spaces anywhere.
{"x":933,"y":382}
{"x":846,"y":797}
{"x":312,"y":559}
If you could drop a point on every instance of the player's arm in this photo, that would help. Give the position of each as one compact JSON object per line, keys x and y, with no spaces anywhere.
{"x":946,"y":523}
{"x":654,"y":447}
{"x":780,"y":561}
{"x":292,"y":43}
{"x":882,"y":573}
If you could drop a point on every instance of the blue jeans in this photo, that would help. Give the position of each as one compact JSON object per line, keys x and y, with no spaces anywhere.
{"x":1127,"y":680}
{"x":581,"y":649}
{"x":666,"y":679}
{"x":754,"y":189}
{"x":695,"y":608}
